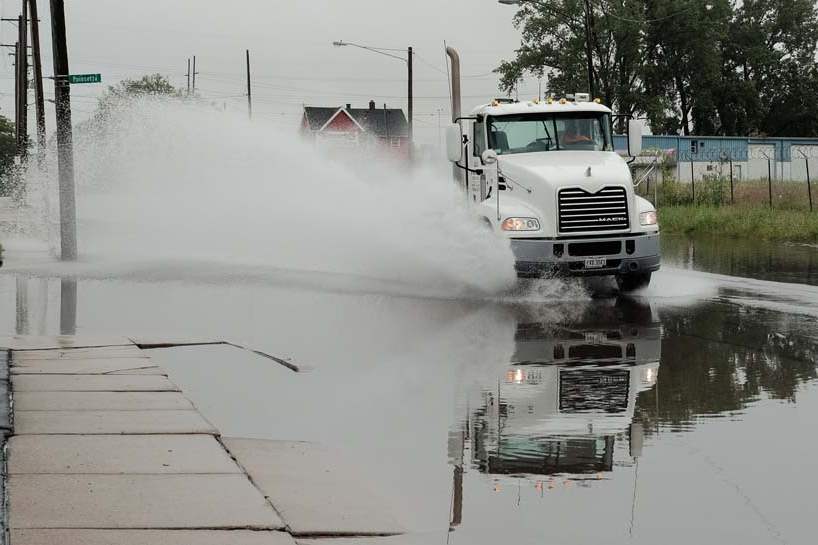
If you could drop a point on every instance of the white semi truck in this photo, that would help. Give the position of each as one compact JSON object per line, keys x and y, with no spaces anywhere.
{"x":545,"y":175}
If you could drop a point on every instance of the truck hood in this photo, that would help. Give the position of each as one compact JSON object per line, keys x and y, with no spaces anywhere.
{"x":545,"y":173}
{"x":556,"y":169}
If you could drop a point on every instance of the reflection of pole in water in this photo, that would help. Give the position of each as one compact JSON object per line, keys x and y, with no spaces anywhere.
{"x":457,"y":445}
{"x":42,"y":288}
{"x":636,"y":442}
{"x":22,"y":306}
{"x":68,"y":306}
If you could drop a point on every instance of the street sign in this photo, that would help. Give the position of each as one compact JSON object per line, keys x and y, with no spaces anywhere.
{"x":74,"y":79}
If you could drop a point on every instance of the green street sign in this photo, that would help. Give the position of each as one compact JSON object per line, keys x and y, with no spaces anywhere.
{"x":84,"y":78}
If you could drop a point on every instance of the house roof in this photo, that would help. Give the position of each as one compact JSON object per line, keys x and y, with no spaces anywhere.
{"x":377,"y":121}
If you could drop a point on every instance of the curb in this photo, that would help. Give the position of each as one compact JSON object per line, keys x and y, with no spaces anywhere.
{"x":5,"y":431}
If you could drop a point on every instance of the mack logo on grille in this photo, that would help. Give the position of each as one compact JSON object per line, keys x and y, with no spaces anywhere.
{"x":582,"y":211}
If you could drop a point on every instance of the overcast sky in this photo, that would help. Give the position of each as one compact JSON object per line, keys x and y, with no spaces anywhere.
{"x":290,"y":41}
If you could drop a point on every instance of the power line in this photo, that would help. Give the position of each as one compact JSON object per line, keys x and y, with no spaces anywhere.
{"x":644,"y":21}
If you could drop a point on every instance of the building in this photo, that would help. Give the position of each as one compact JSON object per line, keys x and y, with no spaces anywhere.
{"x":357,"y":128}
{"x":749,"y":158}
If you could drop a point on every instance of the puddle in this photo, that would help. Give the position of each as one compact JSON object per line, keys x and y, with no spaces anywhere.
{"x":673,"y":416}
{"x":778,"y":261}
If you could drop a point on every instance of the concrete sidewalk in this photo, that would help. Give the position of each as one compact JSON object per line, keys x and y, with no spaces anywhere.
{"x":105,"y":449}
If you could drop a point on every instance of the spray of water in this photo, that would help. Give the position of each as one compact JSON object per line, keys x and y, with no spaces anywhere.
{"x":167,"y":188}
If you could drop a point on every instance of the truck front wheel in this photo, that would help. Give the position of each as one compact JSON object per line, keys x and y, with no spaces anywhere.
{"x":632,"y":282}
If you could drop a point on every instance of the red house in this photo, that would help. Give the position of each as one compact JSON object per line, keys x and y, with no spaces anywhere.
{"x":357,"y":128}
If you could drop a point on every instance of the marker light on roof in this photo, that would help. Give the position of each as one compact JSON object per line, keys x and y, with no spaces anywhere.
{"x":598,"y":101}
{"x":495,"y":103}
{"x":563,"y":101}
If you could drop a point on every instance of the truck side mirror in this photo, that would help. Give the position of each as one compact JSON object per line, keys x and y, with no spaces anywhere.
{"x":454,"y":143}
{"x":634,"y":138}
{"x":489,"y":157}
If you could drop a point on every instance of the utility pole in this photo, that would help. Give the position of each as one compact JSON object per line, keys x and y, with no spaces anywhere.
{"x":38,"y":76}
{"x":249,"y":90}
{"x":65,"y":140}
{"x":194,"y":74}
{"x":22,"y":81}
{"x":410,"y":106}
{"x":188,"y":76}
{"x":17,"y":123}
{"x":589,"y":57}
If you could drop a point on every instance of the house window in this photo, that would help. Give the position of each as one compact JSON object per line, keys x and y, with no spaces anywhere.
{"x":394,"y":142}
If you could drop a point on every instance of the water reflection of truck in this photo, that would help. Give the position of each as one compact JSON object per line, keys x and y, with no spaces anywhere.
{"x":545,"y":175}
{"x":566,"y":395}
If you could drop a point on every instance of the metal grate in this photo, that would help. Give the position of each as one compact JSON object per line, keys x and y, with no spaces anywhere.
{"x":581,"y":211}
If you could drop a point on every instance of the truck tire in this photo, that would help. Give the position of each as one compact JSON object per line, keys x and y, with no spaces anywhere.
{"x":632,"y":282}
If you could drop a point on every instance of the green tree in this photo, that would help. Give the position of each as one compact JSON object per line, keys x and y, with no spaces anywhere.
{"x":684,"y":55}
{"x":8,"y":151}
{"x":554,"y":44}
{"x":151,"y":85}
{"x":772,"y":55}
{"x":707,"y":67}
{"x":126,"y":91}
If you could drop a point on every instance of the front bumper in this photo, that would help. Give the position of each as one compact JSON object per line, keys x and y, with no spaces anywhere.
{"x":624,"y":254}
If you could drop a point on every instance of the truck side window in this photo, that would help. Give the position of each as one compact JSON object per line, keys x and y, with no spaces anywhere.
{"x":479,"y":138}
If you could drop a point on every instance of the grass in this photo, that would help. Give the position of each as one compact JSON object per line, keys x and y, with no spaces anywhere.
{"x":711,"y":212}
{"x":757,"y":222}
{"x":715,"y":191}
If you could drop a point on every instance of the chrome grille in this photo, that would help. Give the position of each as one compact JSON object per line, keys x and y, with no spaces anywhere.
{"x":605,"y":210}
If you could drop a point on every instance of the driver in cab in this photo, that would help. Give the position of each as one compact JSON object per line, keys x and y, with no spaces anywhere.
{"x":577,"y":133}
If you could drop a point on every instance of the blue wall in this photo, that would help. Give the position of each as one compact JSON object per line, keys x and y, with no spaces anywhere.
{"x":714,"y":148}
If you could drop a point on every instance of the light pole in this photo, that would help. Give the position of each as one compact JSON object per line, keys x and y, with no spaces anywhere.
{"x":408,"y":61}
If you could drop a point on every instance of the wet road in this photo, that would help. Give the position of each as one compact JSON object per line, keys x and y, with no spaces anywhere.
{"x":682,"y":415}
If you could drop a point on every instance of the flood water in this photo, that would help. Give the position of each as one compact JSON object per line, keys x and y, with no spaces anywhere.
{"x":684,"y":414}
{"x":779,"y":261}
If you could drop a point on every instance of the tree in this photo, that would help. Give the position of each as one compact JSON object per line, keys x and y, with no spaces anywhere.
{"x":8,"y":151}
{"x":152,"y":85}
{"x":119,"y":96}
{"x":684,"y":43}
{"x":707,"y":67}
{"x":772,"y":55}
{"x":555,"y":40}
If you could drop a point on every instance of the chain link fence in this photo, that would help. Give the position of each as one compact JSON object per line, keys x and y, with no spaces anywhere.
{"x":759,"y":176}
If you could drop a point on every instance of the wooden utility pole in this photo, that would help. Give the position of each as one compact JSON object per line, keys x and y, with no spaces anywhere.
{"x":38,"y":74}
{"x":22,"y":81}
{"x":249,"y":90}
{"x":65,"y":138}
{"x":17,"y":96}
{"x":589,"y":56}
{"x":188,"y":76}
{"x":410,"y":105}
{"x":194,"y":74}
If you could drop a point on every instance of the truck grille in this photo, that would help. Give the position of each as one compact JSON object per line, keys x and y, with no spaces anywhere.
{"x":605,"y":210}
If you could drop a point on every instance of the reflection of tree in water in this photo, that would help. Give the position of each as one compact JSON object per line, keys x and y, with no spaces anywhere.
{"x":717,"y":358}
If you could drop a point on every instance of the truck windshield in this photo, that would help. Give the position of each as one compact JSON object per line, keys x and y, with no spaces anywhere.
{"x":528,"y":133}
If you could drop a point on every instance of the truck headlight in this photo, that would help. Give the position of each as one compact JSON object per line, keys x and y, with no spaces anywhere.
{"x":520,"y":224}
{"x":648,"y":218}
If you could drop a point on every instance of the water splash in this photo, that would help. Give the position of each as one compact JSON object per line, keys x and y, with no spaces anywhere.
{"x":171,"y":189}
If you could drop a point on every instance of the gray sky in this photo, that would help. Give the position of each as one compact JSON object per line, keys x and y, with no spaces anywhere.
{"x":290,"y":41}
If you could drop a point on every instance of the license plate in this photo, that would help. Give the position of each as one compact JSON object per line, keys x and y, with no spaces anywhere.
{"x":595,"y":262}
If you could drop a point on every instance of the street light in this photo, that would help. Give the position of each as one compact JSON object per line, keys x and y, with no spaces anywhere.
{"x":408,"y":60}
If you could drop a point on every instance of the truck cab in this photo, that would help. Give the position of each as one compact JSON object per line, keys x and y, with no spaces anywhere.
{"x":545,"y":175}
